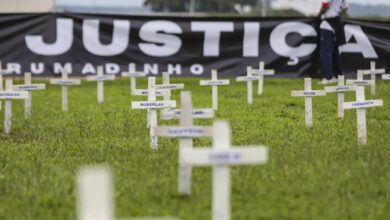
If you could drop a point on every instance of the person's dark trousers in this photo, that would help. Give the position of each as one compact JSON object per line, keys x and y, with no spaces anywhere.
{"x":329,"y":53}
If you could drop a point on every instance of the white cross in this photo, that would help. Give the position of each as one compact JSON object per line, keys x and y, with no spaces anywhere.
{"x":28,"y":86}
{"x":221,"y":157}
{"x":248,"y":78}
{"x":3,"y":72}
{"x":8,"y":95}
{"x":360,"y":81}
{"x":95,"y":195}
{"x":65,"y":82}
{"x":341,"y":89}
{"x":308,"y":93}
{"x":100,"y":78}
{"x":360,"y":105}
{"x":373,"y":71}
{"x":186,"y":132}
{"x":133,"y":75}
{"x":152,"y":105}
{"x":214,"y":82}
{"x":261,"y":72}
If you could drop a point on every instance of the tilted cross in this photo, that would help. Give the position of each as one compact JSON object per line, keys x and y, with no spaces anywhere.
{"x":308,"y":93}
{"x":100,"y":78}
{"x":186,"y":132}
{"x":221,"y":156}
{"x":64,"y":82}
{"x":29,"y":87}
{"x":9,"y":95}
{"x":360,"y":105}
{"x":248,"y":78}
{"x":261,"y":72}
{"x":341,"y":89}
{"x":152,"y":105}
{"x":214,"y":82}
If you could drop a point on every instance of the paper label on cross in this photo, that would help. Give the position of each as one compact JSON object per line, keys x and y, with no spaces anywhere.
{"x":145,"y":92}
{"x":263,"y":72}
{"x":360,"y":82}
{"x":247,"y":78}
{"x":153,"y":105}
{"x":170,"y":86}
{"x":337,"y":89}
{"x":101,"y":78}
{"x":32,"y":87}
{"x":184,"y":132}
{"x":13,"y":95}
{"x":65,"y":82}
{"x":196,"y":113}
{"x":363,"y":104}
{"x":214,"y":82}
{"x":309,"y":93}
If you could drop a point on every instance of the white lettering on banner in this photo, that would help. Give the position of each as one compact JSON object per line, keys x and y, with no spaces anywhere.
{"x":161,"y":40}
{"x":362,"y":45}
{"x":14,"y":68}
{"x":58,"y":68}
{"x":197,"y":69}
{"x":112,"y":68}
{"x":37,"y":68}
{"x":212,"y":35}
{"x":279,"y":44}
{"x":64,"y":40}
{"x":88,"y":68}
{"x":174,"y":69}
{"x":120,"y":38}
{"x":251,"y":39}
{"x":151,"y":68}
{"x":159,"y":34}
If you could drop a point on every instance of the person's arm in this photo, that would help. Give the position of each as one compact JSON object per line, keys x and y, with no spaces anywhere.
{"x":324,"y":8}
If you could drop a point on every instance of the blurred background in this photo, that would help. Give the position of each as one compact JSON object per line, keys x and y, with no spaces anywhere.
{"x":367,"y":9}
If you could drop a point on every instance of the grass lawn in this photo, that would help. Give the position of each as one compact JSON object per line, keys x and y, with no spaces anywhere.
{"x":318,"y":173}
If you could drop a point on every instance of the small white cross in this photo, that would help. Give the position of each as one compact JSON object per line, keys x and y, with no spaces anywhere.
{"x":133,"y":75}
{"x":248,"y":78}
{"x":308,"y":93}
{"x":9,"y":95}
{"x":186,"y":132}
{"x":152,"y":105}
{"x":95,"y":195}
{"x":261,"y":72}
{"x":360,"y":105}
{"x":65,"y":82}
{"x":373,"y":72}
{"x":221,"y":157}
{"x":341,"y":89}
{"x":100,"y":78}
{"x":214,"y":82}
{"x":360,"y":81}
{"x":29,"y":87}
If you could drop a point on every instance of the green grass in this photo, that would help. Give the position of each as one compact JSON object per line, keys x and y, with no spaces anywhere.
{"x":318,"y":173}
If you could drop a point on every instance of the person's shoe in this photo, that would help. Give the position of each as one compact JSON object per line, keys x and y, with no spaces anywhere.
{"x":323,"y":81}
{"x":333,"y":80}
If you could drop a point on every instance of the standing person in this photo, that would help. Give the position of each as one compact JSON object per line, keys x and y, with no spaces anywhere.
{"x":332,"y":36}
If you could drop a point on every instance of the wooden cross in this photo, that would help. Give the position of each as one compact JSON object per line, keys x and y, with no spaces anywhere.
{"x":214,"y":82}
{"x":65,"y":82}
{"x":360,"y":81}
{"x":341,"y":89}
{"x":95,"y":195}
{"x":100,"y":78}
{"x":372,"y":72}
{"x":152,"y":105}
{"x":133,"y":75}
{"x":221,"y":156}
{"x":248,"y":78}
{"x":360,"y":105}
{"x":308,"y":93}
{"x":29,"y":87}
{"x":186,"y":132}
{"x":3,"y":72}
{"x":261,"y":72}
{"x":9,"y":95}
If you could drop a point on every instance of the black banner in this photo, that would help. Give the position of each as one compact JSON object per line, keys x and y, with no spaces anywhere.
{"x":44,"y":44}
